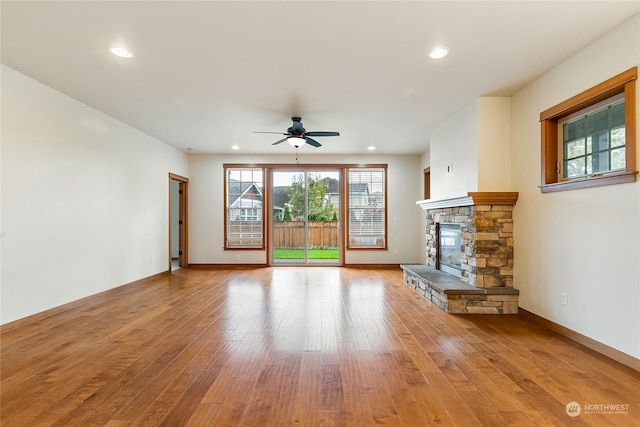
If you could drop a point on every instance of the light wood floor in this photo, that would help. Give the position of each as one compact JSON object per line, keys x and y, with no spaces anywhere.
{"x":297,"y":346}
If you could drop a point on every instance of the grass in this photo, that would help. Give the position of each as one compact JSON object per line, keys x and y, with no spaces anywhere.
{"x":311,"y":254}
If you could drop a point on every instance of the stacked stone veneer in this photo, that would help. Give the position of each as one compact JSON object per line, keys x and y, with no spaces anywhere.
{"x":487,"y":242}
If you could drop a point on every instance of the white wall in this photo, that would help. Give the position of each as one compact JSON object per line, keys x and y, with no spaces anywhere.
{"x":583,"y":242}
{"x":206,"y":207}
{"x":470,"y":151}
{"x":425,"y":162}
{"x":85,"y":199}
{"x":455,"y":143}
{"x":494,"y":144}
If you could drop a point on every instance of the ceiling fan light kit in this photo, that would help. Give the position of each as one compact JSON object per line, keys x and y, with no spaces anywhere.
{"x":296,"y":141}
{"x":297,"y":135}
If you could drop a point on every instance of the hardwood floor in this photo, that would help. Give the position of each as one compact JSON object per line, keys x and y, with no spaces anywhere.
{"x":298,"y":346}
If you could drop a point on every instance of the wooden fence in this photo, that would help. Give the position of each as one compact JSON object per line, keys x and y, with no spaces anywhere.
{"x":290,"y":234}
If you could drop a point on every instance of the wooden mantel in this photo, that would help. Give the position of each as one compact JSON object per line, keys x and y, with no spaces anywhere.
{"x":471,"y":199}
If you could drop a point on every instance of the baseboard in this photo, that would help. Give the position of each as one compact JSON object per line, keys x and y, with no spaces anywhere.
{"x":590,"y":343}
{"x":238,"y":266}
{"x":374,"y":266}
{"x":73,"y":305}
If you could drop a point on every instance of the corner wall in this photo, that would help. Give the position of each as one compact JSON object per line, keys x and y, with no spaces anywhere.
{"x":470,"y":151}
{"x":85,"y":199}
{"x":583,"y":242}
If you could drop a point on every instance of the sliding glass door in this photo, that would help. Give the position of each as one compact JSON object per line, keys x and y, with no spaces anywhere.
{"x":305,"y":216}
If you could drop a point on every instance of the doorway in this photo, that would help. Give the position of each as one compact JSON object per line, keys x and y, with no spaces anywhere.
{"x":305,"y":219}
{"x":177,"y":222}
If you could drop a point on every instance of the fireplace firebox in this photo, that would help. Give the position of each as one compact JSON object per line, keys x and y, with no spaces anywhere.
{"x":449,"y":248}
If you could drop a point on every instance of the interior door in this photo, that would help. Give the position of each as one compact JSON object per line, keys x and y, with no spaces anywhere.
{"x":305,"y":217}
{"x":177,"y":221}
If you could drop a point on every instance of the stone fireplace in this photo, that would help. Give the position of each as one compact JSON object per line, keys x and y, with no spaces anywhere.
{"x":485,"y":283}
{"x":486,"y":236}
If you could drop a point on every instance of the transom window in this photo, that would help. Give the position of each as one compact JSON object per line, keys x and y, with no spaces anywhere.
{"x":589,"y":140}
{"x":593,"y":140}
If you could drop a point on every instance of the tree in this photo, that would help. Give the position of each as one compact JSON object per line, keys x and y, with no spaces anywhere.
{"x":319,"y":209}
{"x":287,"y":213}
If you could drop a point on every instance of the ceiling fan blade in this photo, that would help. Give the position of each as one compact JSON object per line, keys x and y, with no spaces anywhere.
{"x":312,"y":142}
{"x":277,"y":133}
{"x":279,"y":142}
{"x":323,"y":133}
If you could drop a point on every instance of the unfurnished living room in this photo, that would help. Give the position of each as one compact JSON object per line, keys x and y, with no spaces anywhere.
{"x":342,"y":213}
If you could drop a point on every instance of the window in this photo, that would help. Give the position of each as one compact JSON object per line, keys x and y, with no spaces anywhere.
{"x":244,"y":215}
{"x":593,"y":140}
{"x":365,"y":207}
{"x":589,"y":140}
{"x":367,"y":193}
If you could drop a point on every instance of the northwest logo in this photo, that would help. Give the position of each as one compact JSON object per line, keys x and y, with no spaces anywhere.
{"x":573,"y":409}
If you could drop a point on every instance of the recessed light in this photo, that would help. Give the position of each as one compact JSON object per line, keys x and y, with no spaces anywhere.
{"x":371,"y":148}
{"x":121,"y":52}
{"x":191,"y":149}
{"x":438,"y":52}
{"x":235,"y":147}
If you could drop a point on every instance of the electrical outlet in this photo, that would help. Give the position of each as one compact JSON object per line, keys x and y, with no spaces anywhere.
{"x":563,"y":298}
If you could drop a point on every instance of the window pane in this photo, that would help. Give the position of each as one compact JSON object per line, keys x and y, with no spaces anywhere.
{"x":599,"y":163}
{"x":574,"y":168}
{"x":617,"y":137}
{"x":600,"y":141}
{"x":618,"y":159}
{"x":574,"y":149}
{"x":367,"y":210}
{"x":244,"y":190}
{"x":574,"y":130}
{"x":598,"y":122}
{"x":617,"y":115}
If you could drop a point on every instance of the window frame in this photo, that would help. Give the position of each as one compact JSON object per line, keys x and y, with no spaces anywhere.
{"x":348,"y":244}
{"x":551,"y":145}
{"x":227,"y":246}
{"x":580,"y":115}
{"x":345,"y":212}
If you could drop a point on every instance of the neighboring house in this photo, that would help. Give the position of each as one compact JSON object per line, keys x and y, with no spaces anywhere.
{"x":278,"y":212}
{"x":244,"y":201}
{"x":359,"y":195}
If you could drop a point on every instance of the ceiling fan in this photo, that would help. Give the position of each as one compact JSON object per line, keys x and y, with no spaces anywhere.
{"x":297,"y":135}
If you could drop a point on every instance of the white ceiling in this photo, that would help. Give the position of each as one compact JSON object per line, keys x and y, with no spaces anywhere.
{"x":206,"y":74}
